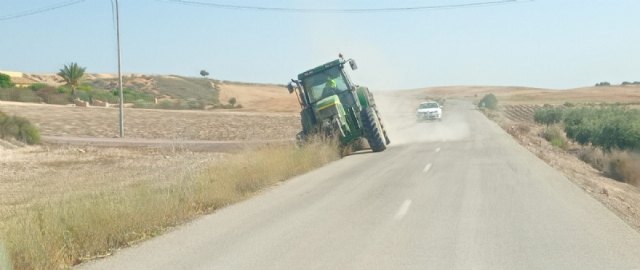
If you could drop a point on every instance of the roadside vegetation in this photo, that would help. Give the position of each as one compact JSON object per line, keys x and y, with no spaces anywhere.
{"x":18,"y":128}
{"x":151,"y":92}
{"x":489,"y":101}
{"x":5,"y":81}
{"x":64,"y":232}
{"x":600,"y":84}
{"x":609,"y":136}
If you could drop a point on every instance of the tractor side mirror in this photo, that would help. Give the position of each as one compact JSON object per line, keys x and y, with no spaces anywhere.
{"x":353,"y":64}
{"x":291,"y":88}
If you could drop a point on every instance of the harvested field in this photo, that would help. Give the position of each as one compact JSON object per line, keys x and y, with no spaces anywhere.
{"x":56,"y":120}
{"x":34,"y":174}
{"x":260,"y":98}
{"x":31,"y":174}
{"x":520,"y":113}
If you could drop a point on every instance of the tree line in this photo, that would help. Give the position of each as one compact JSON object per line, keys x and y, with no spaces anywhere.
{"x":611,"y":127}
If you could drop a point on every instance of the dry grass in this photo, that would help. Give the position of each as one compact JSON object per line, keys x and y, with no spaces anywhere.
{"x":555,"y":136}
{"x":29,"y":175}
{"x":620,"y":165}
{"x":62,"y":232}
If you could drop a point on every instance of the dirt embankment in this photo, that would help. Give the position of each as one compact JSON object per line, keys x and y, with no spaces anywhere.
{"x":621,"y":198}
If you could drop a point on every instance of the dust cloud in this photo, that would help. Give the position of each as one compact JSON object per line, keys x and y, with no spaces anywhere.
{"x":398,"y":112}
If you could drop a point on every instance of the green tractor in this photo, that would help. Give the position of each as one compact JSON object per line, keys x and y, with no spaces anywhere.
{"x":334,"y":106}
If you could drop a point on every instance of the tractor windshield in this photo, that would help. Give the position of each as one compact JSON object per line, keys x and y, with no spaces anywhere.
{"x":323,"y":84}
{"x":430,"y":105}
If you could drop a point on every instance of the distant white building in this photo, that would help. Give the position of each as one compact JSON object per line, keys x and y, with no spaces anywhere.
{"x":13,"y":74}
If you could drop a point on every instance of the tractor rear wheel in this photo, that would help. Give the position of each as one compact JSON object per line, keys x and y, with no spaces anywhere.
{"x":373,"y":130}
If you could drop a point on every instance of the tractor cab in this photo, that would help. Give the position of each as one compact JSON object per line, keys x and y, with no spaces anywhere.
{"x":333,"y":105}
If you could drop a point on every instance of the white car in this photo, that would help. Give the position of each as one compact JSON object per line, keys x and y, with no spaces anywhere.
{"x":429,"y":110}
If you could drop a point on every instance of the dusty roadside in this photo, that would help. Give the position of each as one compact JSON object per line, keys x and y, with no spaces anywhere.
{"x":622,"y":198}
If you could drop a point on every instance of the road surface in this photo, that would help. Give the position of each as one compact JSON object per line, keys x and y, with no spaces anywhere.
{"x":456,"y":194}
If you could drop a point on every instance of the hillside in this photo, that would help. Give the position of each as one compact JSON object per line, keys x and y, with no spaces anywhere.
{"x":526,"y":95}
{"x":157,"y":91}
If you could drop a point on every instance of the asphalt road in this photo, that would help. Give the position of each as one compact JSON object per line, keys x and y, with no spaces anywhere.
{"x":456,"y":194}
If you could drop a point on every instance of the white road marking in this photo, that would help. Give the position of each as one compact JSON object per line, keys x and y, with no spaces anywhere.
{"x":404,"y":208}
{"x":426,"y":168}
{"x":437,"y":149}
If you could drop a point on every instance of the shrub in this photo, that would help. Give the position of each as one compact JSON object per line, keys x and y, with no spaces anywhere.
{"x":548,"y":116}
{"x":18,"y":128}
{"x":607,"y":128}
{"x":603,"y":84}
{"x":624,"y":166}
{"x":489,"y":101}
{"x":619,"y":165}
{"x":165,"y":104}
{"x":52,"y":95}
{"x":38,"y":86}
{"x":555,"y":136}
{"x":140,"y":103}
{"x":5,"y":81}
{"x":593,"y":157}
{"x":85,"y":87}
{"x":194,"y":104}
{"x":19,"y":95}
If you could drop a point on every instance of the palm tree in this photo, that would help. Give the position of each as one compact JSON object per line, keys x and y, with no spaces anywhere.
{"x":72,"y":74}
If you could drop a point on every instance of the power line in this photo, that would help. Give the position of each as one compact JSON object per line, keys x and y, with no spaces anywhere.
{"x":339,"y":10}
{"x":39,"y":10}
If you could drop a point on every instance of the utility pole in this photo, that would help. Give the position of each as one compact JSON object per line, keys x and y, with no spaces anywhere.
{"x":120,"y":71}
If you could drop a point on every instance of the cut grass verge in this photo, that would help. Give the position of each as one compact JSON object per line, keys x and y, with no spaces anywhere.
{"x":62,"y":233}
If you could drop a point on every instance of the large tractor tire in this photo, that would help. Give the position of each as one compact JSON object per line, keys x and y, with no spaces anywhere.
{"x":384,"y":130}
{"x":373,"y":130}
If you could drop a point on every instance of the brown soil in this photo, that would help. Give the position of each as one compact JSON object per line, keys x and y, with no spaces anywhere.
{"x":259,"y":98}
{"x":56,"y":120}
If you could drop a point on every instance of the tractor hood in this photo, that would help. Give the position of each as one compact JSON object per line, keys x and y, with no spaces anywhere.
{"x":328,"y":107}
{"x":327,"y":102}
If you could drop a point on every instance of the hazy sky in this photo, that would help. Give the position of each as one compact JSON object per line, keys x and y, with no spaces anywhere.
{"x":543,"y":43}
